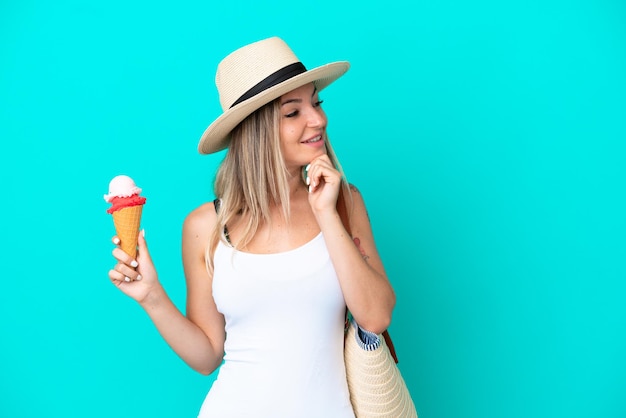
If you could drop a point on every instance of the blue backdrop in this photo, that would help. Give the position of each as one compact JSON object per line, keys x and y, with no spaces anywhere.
{"x":488,"y":138}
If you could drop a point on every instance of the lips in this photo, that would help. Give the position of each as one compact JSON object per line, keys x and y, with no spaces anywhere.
{"x":313,"y":140}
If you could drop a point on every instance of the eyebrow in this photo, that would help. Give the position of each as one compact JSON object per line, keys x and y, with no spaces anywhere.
{"x":295,"y":100}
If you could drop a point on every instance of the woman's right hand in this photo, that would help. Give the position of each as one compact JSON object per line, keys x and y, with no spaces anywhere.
{"x":137,"y":278}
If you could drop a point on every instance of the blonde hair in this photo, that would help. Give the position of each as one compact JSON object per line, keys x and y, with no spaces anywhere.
{"x":253,"y":176}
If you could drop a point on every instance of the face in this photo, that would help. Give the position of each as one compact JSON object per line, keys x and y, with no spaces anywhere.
{"x":302,"y":126}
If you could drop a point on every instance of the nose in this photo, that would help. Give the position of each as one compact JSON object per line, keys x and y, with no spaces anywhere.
{"x":317,"y":118}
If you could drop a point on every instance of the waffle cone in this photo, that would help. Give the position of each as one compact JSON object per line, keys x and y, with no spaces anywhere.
{"x":126,"y":222}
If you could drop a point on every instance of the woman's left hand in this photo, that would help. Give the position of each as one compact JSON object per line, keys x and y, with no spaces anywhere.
{"x":324,"y":183}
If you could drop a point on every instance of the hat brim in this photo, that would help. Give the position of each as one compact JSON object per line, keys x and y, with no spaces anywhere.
{"x":217,"y":136}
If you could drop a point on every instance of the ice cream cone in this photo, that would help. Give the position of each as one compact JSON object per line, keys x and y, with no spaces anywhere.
{"x":127,"y":222}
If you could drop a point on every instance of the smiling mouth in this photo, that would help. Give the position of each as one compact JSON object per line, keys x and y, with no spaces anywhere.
{"x":313,"y":140}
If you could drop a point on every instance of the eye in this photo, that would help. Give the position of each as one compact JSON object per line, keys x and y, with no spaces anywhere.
{"x":292,"y":114}
{"x":318,"y":103}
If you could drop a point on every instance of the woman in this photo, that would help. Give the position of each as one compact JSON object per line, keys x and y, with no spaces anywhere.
{"x":269,"y":266}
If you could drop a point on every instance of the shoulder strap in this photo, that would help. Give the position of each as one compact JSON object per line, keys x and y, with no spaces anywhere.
{"x":342,"y":209}
{"x":218,"y":203}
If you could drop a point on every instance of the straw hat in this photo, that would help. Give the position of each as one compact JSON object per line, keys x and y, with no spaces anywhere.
{"x":253,"y":76}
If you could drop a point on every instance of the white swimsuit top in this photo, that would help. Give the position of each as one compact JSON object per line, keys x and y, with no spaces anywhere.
{"x":284,"y":317}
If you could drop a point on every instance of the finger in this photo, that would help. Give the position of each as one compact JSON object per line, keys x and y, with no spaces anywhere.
{"x":118,"y":277}
{"x":124,"y":258}
{"x":315,"y":172}
{"x":312,"y":180}
{"x":322,"y":163}
{"x":125,"y":273}
{"x":322,"y":173}
{"x":142,"y":245}
{"x":324,"y":158}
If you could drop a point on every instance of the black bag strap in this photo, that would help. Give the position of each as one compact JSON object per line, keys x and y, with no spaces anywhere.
{"x":218,"y":203}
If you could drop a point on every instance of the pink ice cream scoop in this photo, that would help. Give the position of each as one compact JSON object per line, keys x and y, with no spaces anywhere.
{"x":123,"y":193}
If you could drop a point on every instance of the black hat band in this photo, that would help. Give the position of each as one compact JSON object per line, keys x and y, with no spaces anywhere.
{"x":273,"y":79}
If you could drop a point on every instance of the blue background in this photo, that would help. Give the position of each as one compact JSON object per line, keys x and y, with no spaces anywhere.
{"x":488,"y":138}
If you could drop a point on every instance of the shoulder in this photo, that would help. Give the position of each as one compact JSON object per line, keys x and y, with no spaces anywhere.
{"x":201,"y":220}
{"x":356,"y":197}
{"x":359,"y":216}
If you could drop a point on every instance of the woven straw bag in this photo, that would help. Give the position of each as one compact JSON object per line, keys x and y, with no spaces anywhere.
{"x":377,"y":389}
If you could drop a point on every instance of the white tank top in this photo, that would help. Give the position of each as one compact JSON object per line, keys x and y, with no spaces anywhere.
{"x":284,"y":317}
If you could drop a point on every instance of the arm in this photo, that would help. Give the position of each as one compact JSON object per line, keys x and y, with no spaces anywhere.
{"x":201,"y":308}
{"x":197,"y":338}
{"x":366,"y":289}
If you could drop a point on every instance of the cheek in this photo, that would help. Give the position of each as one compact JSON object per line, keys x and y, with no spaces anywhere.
{"x":287,"y":130}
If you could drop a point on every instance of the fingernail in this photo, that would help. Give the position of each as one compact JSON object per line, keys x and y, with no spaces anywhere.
{"x":116,"y":241}
{"x":134,"y":263}
{"x":308,"y":180}
{"x":309,"y":189}
{"x":139,"y":277}
{"x":127,"y":279}
{"x":143,"y":232}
